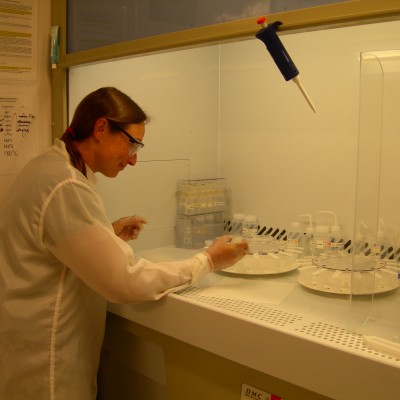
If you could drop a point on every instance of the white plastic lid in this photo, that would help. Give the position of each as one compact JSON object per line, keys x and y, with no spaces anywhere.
{"x":310,"y":229}
{"x":380,"y":234}
{"x":322,"y":229}
{"x":250,"y":218}
{"x":238,"y":216}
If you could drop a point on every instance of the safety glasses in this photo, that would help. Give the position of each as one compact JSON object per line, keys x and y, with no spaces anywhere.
{"x":134,"y":144}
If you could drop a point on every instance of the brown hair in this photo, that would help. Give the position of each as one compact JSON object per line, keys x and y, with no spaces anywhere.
{"x":106,"y":102}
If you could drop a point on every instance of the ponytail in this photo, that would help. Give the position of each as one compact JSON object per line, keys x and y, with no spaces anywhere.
{"x":74,"y":153}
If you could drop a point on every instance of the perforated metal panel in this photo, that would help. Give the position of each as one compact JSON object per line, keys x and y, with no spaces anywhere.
{"x":302,"y":326}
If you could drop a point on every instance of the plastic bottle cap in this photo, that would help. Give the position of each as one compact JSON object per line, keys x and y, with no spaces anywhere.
{"x":335,"y":228}
{"x":250,"y":218}
{"x":322,"y":229}
{"x":310,"y":229}
{"x":238,"y":216}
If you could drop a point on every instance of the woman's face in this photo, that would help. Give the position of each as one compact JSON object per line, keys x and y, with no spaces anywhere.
{"x":115,"y":150}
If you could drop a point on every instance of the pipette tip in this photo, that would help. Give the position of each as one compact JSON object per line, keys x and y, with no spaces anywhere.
{"x":296,"y":80}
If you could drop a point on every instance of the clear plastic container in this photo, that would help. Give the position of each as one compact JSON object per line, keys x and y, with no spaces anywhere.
{"x":295,"y":235}
{"x":321,"y":238}
{"x":201,"y":196}
{"x":193,"y":231}
{"x":237,"y":224}
{"x":250,"y":226}
{"x":309,"y":241}
{"x":201,"y":210}
{"x":337,"y":243}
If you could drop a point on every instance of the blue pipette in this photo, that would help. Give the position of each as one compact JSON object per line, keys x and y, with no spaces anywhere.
{"x":279,"y":54}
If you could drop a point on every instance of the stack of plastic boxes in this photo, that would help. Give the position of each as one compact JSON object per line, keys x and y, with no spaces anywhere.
{"x":202,"y":206}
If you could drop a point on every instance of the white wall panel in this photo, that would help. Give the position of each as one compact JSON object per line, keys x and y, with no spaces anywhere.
{"x":229,"y":111}
{"x":179,"y":90}
{"x":280,"y":158}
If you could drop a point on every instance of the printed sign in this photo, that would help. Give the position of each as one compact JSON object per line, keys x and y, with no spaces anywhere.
{"x":251,"y":393}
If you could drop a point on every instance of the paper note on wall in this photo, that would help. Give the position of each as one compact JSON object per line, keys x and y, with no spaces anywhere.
{"x":18,"y":128}
{"x":18,"y":35}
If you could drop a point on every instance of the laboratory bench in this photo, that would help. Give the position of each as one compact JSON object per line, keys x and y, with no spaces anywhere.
{"x":242,"y":337}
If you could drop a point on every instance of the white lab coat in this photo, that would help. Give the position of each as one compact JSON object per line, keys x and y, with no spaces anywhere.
{"x":59,"y":262}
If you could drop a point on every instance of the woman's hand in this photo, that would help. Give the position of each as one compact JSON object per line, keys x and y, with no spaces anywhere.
{"x":128,"y":228}
{"x":224,"y":253}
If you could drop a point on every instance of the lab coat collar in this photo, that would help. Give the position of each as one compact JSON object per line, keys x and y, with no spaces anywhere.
{"x":59,"y":146}
{"x":90,"y":175}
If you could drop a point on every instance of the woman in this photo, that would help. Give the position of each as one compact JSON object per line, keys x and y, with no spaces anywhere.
{"x":61,"y":259}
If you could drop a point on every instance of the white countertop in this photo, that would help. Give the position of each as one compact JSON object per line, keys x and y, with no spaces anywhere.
{"x":274,"y":325}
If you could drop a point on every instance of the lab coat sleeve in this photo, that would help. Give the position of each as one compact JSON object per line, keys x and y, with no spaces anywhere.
{"x":77,"y":232}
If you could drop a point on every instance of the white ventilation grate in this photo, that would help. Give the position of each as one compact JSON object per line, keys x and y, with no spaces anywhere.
{"x":259,"y":312}
{"x":289,"y":322}
{"x":339,"y":336}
